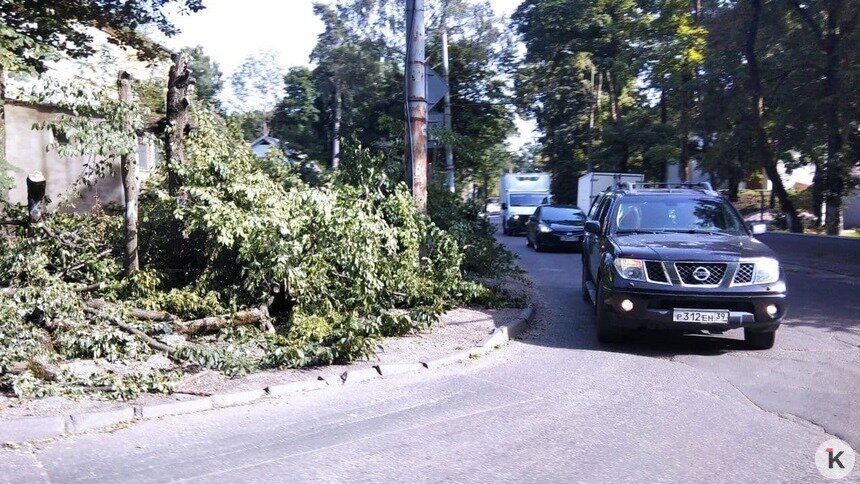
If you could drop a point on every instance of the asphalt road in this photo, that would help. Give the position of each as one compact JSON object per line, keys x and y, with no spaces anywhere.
{"x":555,"y":406}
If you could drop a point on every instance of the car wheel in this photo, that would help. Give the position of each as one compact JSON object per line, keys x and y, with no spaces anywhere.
{"x":605,"y":332}
{"x":760,"y":340}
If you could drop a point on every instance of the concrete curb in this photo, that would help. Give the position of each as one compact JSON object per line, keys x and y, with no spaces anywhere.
{"x":174,"y":408}
{"x":38,"y":428}
{"x":95,"y":420}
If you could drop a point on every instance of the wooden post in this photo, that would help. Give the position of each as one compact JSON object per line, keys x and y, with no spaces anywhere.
{"x":128,"y":166}
{"x":416,"y":125}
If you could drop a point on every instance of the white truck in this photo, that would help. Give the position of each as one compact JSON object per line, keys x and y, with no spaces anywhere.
{"x":521,"y":194}
{"x":592,"y":183}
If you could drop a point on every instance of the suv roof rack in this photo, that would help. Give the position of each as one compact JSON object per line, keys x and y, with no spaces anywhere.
{"x":701,"y":186}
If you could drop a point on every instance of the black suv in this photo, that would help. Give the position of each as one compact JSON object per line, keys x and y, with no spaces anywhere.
{"x":680,"y":258}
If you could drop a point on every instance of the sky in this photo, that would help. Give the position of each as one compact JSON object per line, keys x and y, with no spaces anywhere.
{"x":231,"y":30}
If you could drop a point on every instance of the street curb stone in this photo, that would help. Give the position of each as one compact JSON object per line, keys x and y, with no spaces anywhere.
{"x":37,"y":428}
{"x":174,"y":408}
{"x":295,"y":387}
{"x":32,"y":428}
{"x":237,"y":398}
{"x":399,"y":368}
{"x":94,"y":420}
{"x":446,"y":360}
{"x":358,"y":376}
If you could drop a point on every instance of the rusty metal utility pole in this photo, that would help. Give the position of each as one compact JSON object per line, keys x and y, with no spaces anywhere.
{"x":416,"y":126}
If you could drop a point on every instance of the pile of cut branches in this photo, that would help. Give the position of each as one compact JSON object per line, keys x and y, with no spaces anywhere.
{"x":253,"y":268}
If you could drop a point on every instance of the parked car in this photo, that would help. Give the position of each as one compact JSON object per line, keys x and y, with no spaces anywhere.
{"x":555,"y":226}
{"x":679,"y":259}
{"x":493,"y":205}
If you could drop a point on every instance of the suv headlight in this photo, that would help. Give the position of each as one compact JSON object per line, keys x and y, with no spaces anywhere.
{"x":766,"y":271}
{"x":544,"y":228}
{"x":633,"y":269}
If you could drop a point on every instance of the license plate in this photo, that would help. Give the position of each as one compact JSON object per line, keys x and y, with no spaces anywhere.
{"x":700,"y":316}
{"x":570,"y":238}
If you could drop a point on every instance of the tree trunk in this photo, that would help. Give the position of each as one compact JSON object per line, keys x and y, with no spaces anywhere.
{"x":128,"y":167}
{"x":818,"y":193}
{"x":685,"y":172}
{"x":338,"y":117}
{"x":834,"y":173}
{"x":177,"y":120}
{"x":174,"y":150}
{"x":213,"y":324}
{"x":592,"y":114}
{"x":35,"y":197}
{"x":614,"y":109}
{"x":762,"y":144}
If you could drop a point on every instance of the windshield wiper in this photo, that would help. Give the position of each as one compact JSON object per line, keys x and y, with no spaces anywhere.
{"x":699,"y":231}
{"x":638,"y":231}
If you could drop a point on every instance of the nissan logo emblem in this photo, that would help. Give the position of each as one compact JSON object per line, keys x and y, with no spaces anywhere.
{"x":701,"y":274}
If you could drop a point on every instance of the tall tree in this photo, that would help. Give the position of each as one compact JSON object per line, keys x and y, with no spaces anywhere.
{"x":207,"y":75}
{"x":258,"y":84}
{"x":831,"y":26}
{"x":297,"y":117}
{"x":763,"y":149}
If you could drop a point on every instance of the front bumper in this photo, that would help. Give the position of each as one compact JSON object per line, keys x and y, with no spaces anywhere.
{"x":559,"y":239}
{"x":517,"y":224}
{"x":653,"y":309}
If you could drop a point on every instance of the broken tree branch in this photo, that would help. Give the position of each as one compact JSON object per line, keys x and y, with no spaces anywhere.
{"x":142,"y":314}
{"x":152,"y":342}
{"x":216,"y":323}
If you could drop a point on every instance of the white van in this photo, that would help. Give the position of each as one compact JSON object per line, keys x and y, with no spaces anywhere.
{"x":521,"y":194}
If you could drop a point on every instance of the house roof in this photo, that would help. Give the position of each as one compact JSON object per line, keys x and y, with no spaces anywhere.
{"x":267,"y":140}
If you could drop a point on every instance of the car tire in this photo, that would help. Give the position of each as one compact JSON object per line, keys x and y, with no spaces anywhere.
{"x":606,"y":334}
{"x":759,"y":340}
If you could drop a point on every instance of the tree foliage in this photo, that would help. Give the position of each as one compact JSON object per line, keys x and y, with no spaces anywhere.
{"x":208,"y":78}
{"x":32,"y":30}
{"x":359,"y":56}
{"x":641,"y":84}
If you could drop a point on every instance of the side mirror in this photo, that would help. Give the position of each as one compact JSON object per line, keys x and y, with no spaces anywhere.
{"x":758,"y":229}
{"x":504,"y":206}
{"x":592,"y":227}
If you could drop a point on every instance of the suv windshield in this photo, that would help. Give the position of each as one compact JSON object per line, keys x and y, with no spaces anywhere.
{"x":528,"y":199}
{"x":562,"y":215}
{"x":677,"y":214}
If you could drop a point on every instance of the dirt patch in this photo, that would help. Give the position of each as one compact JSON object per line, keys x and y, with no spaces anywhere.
{"x":459,"y":329}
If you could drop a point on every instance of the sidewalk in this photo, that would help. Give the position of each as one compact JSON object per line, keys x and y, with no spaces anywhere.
{"x":462,"y":334}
